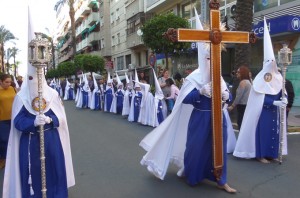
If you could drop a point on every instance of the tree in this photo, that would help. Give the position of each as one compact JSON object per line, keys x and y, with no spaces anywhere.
{"x":72,"y":18}
{"x":14,"y":52}
{"x":66,"y":69}
{"x":153,"y":33}
{"x":8,"y":55}
{"x":244,"y":18}
{"x":5,"y":36}
{"x":89,"y":63}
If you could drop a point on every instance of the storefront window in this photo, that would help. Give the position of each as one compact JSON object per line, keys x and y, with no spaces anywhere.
{"x":188,"y":9}
{"x":260,"y":5}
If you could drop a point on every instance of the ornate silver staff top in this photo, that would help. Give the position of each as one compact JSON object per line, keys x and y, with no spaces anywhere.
{"x":39,"y":56}
{"x":284,"y":58}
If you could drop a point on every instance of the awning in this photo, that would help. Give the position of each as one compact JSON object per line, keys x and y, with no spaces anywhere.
{"x":93,"y":27}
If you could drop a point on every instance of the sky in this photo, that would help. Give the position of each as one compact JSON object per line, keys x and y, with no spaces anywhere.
{"x":13,"y":15}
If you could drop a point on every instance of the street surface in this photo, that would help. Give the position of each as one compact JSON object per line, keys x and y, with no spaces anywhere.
{"x":106,"y":159}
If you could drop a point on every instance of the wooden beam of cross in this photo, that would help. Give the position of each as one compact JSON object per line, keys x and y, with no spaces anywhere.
{"x":215,"y":36}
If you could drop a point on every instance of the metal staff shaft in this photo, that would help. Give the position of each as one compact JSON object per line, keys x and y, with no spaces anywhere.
{"x":42,"y":139}
{"x":282,"y":114}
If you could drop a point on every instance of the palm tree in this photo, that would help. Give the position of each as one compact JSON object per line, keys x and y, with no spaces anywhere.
{"x":5,"y":36}
{"x":72,"y":18}
{"x":8,"y":55}
{"x":243,"y":18}
{"x":14,"y":52}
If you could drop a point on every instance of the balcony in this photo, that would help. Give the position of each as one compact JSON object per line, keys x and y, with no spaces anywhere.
{"x":134,"y":41}
{"x":92,"y":18}
{"x":78,"y":46}
{"x":94,"y":37}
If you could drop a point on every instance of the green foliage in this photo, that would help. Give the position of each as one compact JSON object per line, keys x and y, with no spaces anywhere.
{"x":89,"y":63}
{"x":153,"y":33}
{"x":66,"y":69}
{"x":52,"y":73}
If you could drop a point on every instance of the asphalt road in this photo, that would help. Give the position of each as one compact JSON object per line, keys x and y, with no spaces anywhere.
{"x":106,"y":160}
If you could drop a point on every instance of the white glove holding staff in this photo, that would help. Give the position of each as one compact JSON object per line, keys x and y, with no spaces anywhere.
{"x":41,"y":120}
{"x":281,"y":103}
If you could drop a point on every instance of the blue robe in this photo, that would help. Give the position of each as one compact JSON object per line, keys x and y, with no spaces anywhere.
{"x":120,"y":99}
{"x":56,"y":180}
{"x":97,"y":101}
{"x":198,"y":155}
{"x":70,"y":94}
{"x":160,"y":116}
{"x":85,"y":99}
{"x":267,"y":136}
{"x":5,"y":126}
{"x":108,"y":98}
{"x":137,"y":105}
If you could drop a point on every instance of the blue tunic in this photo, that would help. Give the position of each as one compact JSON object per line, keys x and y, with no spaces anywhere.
{"x":267,"y":131}
{"x":137,"y":105}
{"x":120,"y":99}
{"x":108,"y":98}
{"x":70,"y":92}
{"x":97,"y":101}
{"x":160,"y":116}
{"x":198,"y":155}
{"x":56,"y":179}
{"x":85,"y":99}
{"x":4,"y":135}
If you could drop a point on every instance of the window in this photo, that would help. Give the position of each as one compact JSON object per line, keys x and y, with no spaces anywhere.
{"x":260,"y":5}
{"x":113,"y":41}
{"x":120,"y":63}
{"x":118,"y":39}
{"x":102,"y":43}
{"x":128,"y":60}
{"x":101,"y":21}
{"x":112,"y":18}
{"x":188,"y":9}
{"x":117,"y":14}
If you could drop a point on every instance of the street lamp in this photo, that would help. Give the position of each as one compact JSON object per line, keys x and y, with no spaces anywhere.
{"x":285,"y":59}
{"x":39,"y":56}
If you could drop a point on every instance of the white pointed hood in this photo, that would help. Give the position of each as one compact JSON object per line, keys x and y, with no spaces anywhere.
{"x":268,"y":80}
{"x":136,"y":79}
{"x":158,"y":92}
{"x":128,"y":82}
{"x":109,"y":80}
{"x":29,"y":89}
{"x":95,"y":82}
{"x":118,"y":80}
{"x":201,"y":76}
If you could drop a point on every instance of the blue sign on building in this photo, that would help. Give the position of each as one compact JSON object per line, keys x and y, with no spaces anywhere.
{"x":278,"y":25}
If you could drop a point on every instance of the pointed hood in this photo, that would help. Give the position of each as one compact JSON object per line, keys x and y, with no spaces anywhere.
{"x":109,"y":80}
{"x":201,"y":76}
{"x":203,"y":54}
{"x":118,"y":80}
{"x":136,"y":79}
{"x":268,"y":80}
{"x":158,"y":92}
{"x":95,"y":82}
{"x":29,"y":89}
{"x":127,"y":79}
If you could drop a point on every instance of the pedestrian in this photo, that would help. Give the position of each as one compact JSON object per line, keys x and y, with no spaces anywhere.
{"x":185,"y":137}
{"x":259,"y":133}
{"x":95,"y":99}
{"x":7,"y":94}
{"x":23,"y":177}
{"x":129,"y":92}
{"x":117,"y":103}
{"x":174,"y":94}
{"x":136,"y":101}
{"x":163,"y":85}
{"x":242,"y":93}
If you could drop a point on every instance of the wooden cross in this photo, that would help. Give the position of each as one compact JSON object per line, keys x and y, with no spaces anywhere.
{"x":215,"y":36}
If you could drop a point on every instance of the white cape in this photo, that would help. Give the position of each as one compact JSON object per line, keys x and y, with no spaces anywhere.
{"x":245,"y":146}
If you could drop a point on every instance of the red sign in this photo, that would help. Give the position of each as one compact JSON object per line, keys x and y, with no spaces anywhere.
{"x":109,"y":64}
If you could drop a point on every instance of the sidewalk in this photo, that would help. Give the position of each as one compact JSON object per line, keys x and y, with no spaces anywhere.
{"x":293,"y":120}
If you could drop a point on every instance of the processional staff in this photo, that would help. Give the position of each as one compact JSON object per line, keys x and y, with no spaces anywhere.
{"x":39,"y":57}
{"x":285,"y":59}
{"x":215,"y":36}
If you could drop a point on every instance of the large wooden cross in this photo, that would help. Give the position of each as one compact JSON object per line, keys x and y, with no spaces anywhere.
{"x":215,"y":36}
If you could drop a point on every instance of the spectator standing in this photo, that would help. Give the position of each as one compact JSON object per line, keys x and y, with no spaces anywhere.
{"x":174,"y":94}
{"x":162,"y":82}
{"x":242,"y":93}
{"x":7,"y":94}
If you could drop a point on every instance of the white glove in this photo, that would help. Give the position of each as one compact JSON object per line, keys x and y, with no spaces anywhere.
{"x":47,"y":119}
{"x":39,"y":120}
{"x":284,"y":100}
{"x":206,"y":90}
{"x":279,"y":103}
{"x":225,"y":95}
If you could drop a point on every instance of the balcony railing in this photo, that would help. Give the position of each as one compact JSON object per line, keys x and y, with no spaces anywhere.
{"x":92,"y":18}
{"x":93,"y":37}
